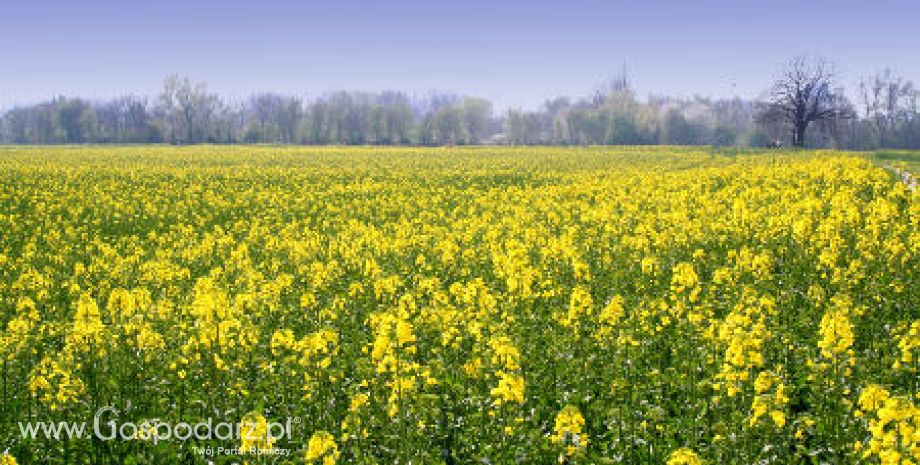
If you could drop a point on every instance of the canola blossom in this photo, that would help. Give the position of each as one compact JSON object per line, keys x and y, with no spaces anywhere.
{"x":463,"y":305}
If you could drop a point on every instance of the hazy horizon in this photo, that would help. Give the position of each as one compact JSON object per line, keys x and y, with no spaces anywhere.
{"x":517,"y":54}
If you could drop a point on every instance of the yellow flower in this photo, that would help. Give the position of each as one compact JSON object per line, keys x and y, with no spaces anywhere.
{"x":610,"y":315}
{"x":872,"y":397}
{"x":581,"y":305}
{"x":568,"y":430}
{"x":471,"y":368}
{"x":504,"y":354}
{"x":358,"y":401}
{"x":414,"y":283}
{"x":779,"y":418}
{"x":254,"y":434}
{"x":910,"y":347}
{"x":836,"y":334}
{"x":893,"y":424}
{"x":684,"y":456}
{"x":684,"y":277}
{"x":510,"y":388}
{"x":764,"y":382}
{"x":322,"y":447}
{"x":649,"y":265}
{"x":55,"y":384}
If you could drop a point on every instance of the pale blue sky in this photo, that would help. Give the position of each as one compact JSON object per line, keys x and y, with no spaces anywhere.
{"x":516,"y":53}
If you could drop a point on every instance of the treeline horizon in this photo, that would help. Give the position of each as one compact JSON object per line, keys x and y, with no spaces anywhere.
{"x":886,"y":114}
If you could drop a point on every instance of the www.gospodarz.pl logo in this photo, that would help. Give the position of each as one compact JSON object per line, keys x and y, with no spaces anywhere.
{"x":107,"y":427}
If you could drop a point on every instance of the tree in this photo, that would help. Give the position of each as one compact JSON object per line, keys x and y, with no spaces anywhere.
{"x":723,"y":136}
{"x":804,"y":94}
{"x":288,"y":118}
{"x":266,"y":107}
{"x":73,"y":120}
{"x":188,"y":108}
{"x":523,"y":127}
{"x":476,"y":115}
{"x":675,"y":130}
{"x":886,"y":104}
{"x":125,"y":119}
{"x":449,"y":126}
{"x":803,"y":104}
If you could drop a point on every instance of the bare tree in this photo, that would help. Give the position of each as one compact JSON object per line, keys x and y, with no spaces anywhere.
{"x":288,"y":118}
{"x":885,"y":103}
{"x":189,"y":106}
{"x":266,"y":107}
{"x":804,"y":94}
{"x":125,"y":119}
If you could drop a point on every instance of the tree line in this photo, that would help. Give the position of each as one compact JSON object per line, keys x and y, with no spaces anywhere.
{"x":805,"y":107}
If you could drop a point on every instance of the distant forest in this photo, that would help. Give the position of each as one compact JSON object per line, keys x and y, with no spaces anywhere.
{"x":883,"y":113}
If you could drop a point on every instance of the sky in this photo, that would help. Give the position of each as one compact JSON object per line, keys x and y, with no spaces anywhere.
{"x":515,"y":53}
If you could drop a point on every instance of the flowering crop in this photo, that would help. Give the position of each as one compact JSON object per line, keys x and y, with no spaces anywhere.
{"x":463,"y":305}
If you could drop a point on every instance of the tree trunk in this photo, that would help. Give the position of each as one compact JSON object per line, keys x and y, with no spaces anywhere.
{"x":798,"y":134}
